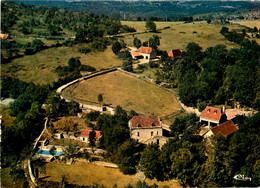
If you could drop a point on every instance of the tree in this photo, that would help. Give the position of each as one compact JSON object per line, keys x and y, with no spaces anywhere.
{"x":127,"y":156}
{"x":137,"y":42}
{"x":92,"y":139}
{"x":38,"y":44}
{"x":150,"y":162}
{"x":116,"y":47}
{"x":71,"y":150}
{"x":81,"y":36}
{"x":150,"y":25}
{"x":52,"y":150}
{"x":100,"y":99}
{"x":74,"y":63}
{"x":128,"y":66}
{"x":182,"y":123}
{"x":154,"y":42}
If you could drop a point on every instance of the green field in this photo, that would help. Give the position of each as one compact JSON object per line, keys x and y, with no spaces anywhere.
{"x":127,"y":91}
{"x":87,"y":174}
{"x":180,"y":34}
{"x":39,"y":68}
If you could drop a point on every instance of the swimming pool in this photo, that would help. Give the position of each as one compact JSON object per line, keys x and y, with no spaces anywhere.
{"x":47,"y":152}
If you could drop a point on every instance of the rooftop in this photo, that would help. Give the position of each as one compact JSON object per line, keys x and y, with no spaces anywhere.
{"x":85,"y":133}
{"x":175,"y":53}
{"x":225,"y":129}
{"x":145,"y":50}
{"x":211,"y":113}
{"x":145,"y":122}
{"x":232,"y":113}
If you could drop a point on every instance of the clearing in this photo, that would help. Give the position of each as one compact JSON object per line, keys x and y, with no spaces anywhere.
{"x":127,"y":91}
{"x":180,"y":34}
{"x":87,"y":174}
{"x":39,"y":68}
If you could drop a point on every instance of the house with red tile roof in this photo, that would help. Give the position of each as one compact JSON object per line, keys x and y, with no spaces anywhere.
{"x":85,"y":135}
{"x":147,"y":129}
{"x":225,"y":129}
{"x":144,"y":53}
{"x":173,"y":54}
{"x":211,"y":116}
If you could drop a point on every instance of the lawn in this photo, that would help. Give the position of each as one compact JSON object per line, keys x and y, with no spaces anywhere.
{"x":39,"y":68}
{"x":127,"y":91}
{"x":180,"y":34}
{"x":87,"y":174}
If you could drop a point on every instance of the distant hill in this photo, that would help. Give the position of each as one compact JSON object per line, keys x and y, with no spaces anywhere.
{"x":174,"y":10}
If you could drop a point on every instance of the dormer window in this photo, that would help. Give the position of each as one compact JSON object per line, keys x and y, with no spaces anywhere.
{"x":139,"y":125}
{"x":153,"y":125}
{"x":215,"y":112}
{"x":208,"y":110}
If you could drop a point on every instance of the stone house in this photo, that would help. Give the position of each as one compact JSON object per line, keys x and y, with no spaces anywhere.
{"x":144,"y":53}
{"x":147,"y":129}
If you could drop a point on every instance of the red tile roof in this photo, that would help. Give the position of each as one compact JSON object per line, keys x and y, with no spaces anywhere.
{"x":232,"y":113}
{"x":85,"y":133}
{"x":145,"y":50}
{"x":174,"y":53}
{"x":225,"y":129}
{"x":136,"y":54}
{"x":145,"y":122}
{"x":211,"y":113}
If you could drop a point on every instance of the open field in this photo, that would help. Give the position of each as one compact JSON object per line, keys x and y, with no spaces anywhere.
{"x":250,"y":23}
{"x":127,"y":91}
{"x":39,"y":68}
{"x":87,"y":174}
{"x":180,"y":34}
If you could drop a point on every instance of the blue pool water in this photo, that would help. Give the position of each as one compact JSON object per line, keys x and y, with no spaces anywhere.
{"x":47,"y":152}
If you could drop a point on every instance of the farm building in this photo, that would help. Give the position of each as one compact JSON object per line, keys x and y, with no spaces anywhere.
{"x":173,"y":54}
{"x":85,"y":135}
{"x":147,"y":129}
{"x":144,"y":53}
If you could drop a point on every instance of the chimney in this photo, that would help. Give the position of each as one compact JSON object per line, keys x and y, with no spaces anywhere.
{"x":224,"y":108}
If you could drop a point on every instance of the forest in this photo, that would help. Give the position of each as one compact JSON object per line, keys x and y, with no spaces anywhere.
{"x":216,"y":75}
{"x":173,"y":10}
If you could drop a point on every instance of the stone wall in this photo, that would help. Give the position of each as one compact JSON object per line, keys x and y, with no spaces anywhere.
{"x":145,"y":134}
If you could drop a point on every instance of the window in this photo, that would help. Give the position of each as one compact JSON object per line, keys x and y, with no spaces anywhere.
{"x":139,"y":125}
{"x":157,"y":133}
{"x":138,"y":134}
{"x":158,"y":141}
{"x":152,"y":133}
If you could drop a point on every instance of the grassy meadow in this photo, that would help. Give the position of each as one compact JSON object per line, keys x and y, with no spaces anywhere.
{"x":87,"y":174}
{"x":127,"y":91}
{"x":40,"y":67}
{"x":180,"y":34}
{"x":250,"y":23}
